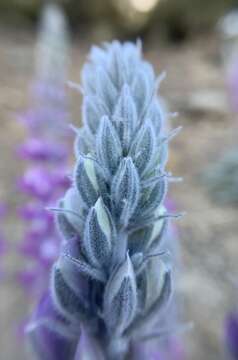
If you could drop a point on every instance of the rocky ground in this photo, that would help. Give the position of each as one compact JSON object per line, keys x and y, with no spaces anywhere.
{"x":208,"y":233}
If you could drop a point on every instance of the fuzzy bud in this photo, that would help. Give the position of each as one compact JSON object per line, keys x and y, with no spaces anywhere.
{"x":125,"y":190}
{"x":97,"y":238}
{"x":120,"y":298}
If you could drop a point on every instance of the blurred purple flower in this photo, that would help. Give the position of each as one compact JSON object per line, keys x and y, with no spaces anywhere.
{"x":41,"y":182}
{"x":231,"y":334}
{"x":46,"y":151}
{"x":49,"y":332}
{"x":37,"y":182}
{"x":40,"y":150}
{"x":3,"y":242}
{"x":42,"y":116}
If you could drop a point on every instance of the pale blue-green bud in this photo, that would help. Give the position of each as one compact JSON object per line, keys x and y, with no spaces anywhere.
{"x":125,"y":117}
{"x":98,"y":234}
{"x":125,"y":190}
{"x":93,"y":110}
{"x":158,"y":229}
{"x":89,"y":180}
{"x":68,"y":303}
{"x":142,"y":91}
{"x":120,"y":298}
{"x":73,"y":209}
{"x":152,"y":282}
{"x":105,"y":88}
{"x":108,"y":146}
{"x":143,"y":148}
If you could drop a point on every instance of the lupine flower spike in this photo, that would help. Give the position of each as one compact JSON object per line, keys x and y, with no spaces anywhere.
{"x":112,"y":283}
{"x":46,"y":150}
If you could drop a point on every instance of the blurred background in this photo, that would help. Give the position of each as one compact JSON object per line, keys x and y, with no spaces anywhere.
{"x":195,"y":42}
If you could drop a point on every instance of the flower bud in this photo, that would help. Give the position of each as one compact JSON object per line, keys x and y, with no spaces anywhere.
{"x":143,"y":148}
{"x":66,"y":301}
{"x":125,"y":190}
{"x":125,"y":116}
{"x":151,"y":282}
{"x":142,"y":90}
{"x":105,"y":88}
{"x":88,"y":180}
{"x":158,"y":229}
{"x":93,"y":110}
{"x":97,"y":239}
{"x":50,"y":334}
{"x":120,"y":298}
{"x":108,"y":146}
{"x":72,"y":206}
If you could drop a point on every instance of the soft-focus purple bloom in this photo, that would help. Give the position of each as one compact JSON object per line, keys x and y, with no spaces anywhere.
{"x":37,"y":182}
{"x":3,"y":210}
{"x":3,"y":242}
{"x":50,"y":93}
{"x":40,"y":245}
{"x":231,"y":334}
{"x":40,"y":182}
{"x":40,"y":150}
{"x":50,"y":334}
{"x":36,"y":119}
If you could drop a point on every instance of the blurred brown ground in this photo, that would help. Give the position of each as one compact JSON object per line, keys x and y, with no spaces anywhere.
{"x":208,"y":233}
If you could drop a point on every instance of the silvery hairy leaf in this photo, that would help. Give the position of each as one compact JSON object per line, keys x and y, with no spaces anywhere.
{"x":81,"y":143}
{"x":143,"y":147}
{"x":125,"y":190}
{"x":89,"y":180}
{"x":142,"y":91}
{"x":158,"y":230}
{"x":157,"y":308}
{"x":162,"y":154}
{"x":88,"y":79}
{"x":72,"y":258}
{"x":125,"y":117}
{"x":98,"y":234}
{"x":117,"y":66}
{"x":151,"y":282}
{"x":109,"y":150}
{"x":138,"y":240}
{"x":65,"y":299}
{"x":73,"y":276}
{"x":52,"y":336}
{"x":150,"y":199}
{"x":65,"y":227}
{"x":105,"y":88}
{"x":120,"y":298}
{"x":154,"y":113}
{"x":93,"y":109}
{"x":72,"y":209}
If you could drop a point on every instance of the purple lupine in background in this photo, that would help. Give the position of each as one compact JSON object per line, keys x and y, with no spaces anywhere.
{"x":45,"y":151}
{"x":112,"y":284}
{"x":3,"y":241}
{"x":231,"y":334}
